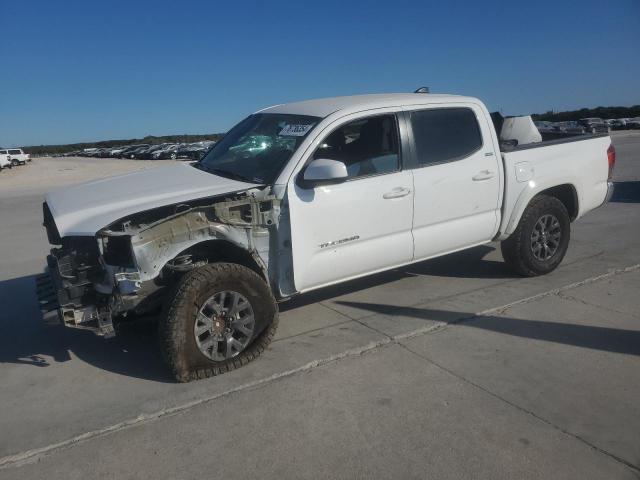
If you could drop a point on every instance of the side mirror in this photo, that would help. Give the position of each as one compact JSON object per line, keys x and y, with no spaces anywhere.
{"x":324,"y":171}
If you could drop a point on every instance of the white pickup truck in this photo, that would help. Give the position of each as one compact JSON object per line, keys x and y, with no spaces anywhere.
{"x":300,"y":196}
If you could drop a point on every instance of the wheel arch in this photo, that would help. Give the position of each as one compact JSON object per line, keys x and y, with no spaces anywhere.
{"x":566,"y":193}
{"x":220,"y":250}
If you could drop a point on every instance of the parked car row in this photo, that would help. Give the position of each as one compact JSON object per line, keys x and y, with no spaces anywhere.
{"x":589,"y":125}
{"x":570,"y":127}
{"x":12,"y":157}
{"x":162,"y":151}
{"x":624,"y":123}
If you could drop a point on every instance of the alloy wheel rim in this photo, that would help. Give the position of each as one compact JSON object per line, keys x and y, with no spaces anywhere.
{"x":224,"y":325}
{"x":545,"y":237}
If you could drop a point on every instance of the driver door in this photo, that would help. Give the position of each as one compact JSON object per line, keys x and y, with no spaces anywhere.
{"x":362,"y":224}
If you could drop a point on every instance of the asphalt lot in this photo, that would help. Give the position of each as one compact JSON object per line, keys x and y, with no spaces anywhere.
{"x":450,"y":368}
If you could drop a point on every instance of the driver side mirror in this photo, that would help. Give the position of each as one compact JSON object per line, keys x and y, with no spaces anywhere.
{"x":324,"y":171}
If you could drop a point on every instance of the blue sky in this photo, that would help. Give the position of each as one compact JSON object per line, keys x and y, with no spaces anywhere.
{"x":92,"y":70}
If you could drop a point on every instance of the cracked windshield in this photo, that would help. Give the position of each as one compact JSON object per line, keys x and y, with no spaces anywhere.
{"x":257,"y":148}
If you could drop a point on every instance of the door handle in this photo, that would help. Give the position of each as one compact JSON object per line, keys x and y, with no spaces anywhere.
{"x":397,"y":193}
{"x":483,"y":175}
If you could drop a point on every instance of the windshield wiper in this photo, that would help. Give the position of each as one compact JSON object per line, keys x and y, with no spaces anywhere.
{"x":225,"y":173}
{"x":232,"y":175}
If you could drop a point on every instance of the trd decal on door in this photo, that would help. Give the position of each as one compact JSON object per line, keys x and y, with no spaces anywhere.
{"x":339,"y":242}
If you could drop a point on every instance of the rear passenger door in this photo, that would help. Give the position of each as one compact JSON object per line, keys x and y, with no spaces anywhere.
{"x":456,"y":178}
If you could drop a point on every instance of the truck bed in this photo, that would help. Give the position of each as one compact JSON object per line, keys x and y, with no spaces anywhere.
{"x":552,"y":139}
{"x":579,"y":162}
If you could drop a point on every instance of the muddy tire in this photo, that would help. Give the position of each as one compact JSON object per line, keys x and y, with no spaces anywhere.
{"x":220,"y":317}
{"x":540,"y":241}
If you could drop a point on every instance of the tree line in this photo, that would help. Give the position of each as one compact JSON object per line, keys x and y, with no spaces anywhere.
{"x":599,"y":112}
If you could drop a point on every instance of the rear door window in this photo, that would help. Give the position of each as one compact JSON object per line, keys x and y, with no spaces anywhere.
{"x":445,"y":134}
{"x":15,"y":152}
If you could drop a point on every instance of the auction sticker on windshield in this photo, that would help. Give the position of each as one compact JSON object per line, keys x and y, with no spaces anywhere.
{"x":295,"y":130}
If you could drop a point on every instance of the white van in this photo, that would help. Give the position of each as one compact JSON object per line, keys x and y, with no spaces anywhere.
{"x":16,"y":156}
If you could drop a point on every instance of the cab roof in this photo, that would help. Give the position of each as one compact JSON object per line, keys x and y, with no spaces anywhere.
{"x":323,"y":107}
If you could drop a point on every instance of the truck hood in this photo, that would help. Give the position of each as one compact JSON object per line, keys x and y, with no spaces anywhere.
{"x":86,"y":208}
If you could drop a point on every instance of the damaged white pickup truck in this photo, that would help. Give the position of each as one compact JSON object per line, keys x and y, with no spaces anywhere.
{"x":300,"y":196}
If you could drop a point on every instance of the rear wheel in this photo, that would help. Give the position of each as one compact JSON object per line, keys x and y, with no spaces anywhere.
{"x":540,"y":241}
{"x":221,"y":317}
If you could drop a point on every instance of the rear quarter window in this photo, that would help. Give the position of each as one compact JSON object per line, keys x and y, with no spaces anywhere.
{"x":445,"y":134}
{"x":15,"y":152}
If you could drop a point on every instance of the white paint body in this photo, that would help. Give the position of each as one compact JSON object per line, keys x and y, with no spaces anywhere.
{"x":4,"y":161}
{"x":581,"y":164}
{"x":450,"y":207}
{"x":86,"y":208}
{"x":369,"y":224}
{"x":457,"y":204}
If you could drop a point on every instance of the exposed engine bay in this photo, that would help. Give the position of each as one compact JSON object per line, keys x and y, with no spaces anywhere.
{"x":127,"y":265}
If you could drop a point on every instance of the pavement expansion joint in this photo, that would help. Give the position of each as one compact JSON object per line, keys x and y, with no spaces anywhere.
{"x":616,"y":458}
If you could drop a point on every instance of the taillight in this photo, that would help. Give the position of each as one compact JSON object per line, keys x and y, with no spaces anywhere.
{"x":611,"y":156}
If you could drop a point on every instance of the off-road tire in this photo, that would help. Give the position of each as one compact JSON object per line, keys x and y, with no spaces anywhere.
{"x":517,"y":251}
{"x":176,"y":328}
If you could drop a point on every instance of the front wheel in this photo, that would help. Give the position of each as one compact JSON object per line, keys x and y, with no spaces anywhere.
{"x":221,"y":317}
{"x":540,"y":241}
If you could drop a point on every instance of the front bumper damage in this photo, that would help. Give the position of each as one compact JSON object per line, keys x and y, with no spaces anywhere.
{"x":78,"y":289}
{"x":66,"y":296}
{"x":129,"y":264}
